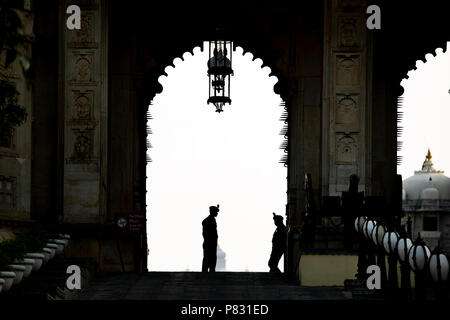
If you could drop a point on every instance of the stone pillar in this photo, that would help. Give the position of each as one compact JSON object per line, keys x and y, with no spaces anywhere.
{"x":296,"y":199}
{"x":346,"y":141}
{"x":84,"y":100}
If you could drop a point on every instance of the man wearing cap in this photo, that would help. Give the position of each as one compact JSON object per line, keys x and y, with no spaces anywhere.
{"x":210,"y":240}
{"x":278,"y":243}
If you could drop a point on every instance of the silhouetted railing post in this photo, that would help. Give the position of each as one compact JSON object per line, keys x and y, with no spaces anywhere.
{"x":362,"y":257}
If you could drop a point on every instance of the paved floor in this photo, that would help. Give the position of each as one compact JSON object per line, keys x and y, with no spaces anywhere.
{"x":205,"y":286}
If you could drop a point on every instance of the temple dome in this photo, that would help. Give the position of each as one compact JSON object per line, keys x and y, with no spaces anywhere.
{"x":430,"y":194}
{"x":427,"y":184}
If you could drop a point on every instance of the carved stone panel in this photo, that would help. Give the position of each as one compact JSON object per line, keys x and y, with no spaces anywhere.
{"x":349,"y":31}
{"x":82,"y":73}
{"x":347,"y":112}
{"x":83,"y":105}
{"x":346,"y":148}
{"x":82,"y":146}
{"x":348,"y":69}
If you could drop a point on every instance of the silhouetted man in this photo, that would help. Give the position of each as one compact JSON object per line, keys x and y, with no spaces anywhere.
{"x":210,"y":240}
{"x":278,"y":243}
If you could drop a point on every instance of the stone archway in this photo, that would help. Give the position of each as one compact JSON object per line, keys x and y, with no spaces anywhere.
{"x":109,"y":72}
{"x":127,"y":59}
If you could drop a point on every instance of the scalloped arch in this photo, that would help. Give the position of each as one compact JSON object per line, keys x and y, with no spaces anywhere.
{"x":152,"y":85}
{"x":429,"y":55}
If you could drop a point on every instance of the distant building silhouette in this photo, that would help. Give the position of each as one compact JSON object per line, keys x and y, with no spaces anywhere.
{"x":426,"y":198}
{"x":221,"y":259}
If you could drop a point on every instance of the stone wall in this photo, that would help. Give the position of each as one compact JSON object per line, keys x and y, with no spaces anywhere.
{"x":16,"y":153}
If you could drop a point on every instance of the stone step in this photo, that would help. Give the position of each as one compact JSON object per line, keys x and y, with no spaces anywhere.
{"x":205,"y":286}
{"x":49,"y":281}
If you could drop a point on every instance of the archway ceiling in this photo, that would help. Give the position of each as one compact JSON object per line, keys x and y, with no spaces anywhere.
{"x":261,"y":28}
{"x":409,"y":32}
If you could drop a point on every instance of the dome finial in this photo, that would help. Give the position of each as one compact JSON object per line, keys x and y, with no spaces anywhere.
{"x":428,"y":164}
{"x":429,"y":156}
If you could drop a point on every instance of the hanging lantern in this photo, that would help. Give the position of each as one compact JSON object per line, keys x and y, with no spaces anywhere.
{"x":219,"y":71}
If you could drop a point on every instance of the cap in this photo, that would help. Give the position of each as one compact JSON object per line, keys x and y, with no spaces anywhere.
{"x":277,"y":217}
{"x":214,"y":208}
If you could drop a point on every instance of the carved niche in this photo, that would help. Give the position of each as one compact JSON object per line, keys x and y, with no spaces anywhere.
{"x":349,"y":31}
{"x":83,"y":147}
{"x":346,"y":149}
{"x":82,"y":105}
{"x":348,"y":70}
{"x":82,"y":71}
{"x":347,"y":110}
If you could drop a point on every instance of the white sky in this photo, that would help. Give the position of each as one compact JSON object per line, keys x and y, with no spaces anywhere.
{"x":426,"y":109}
{"x":202,"y":158}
